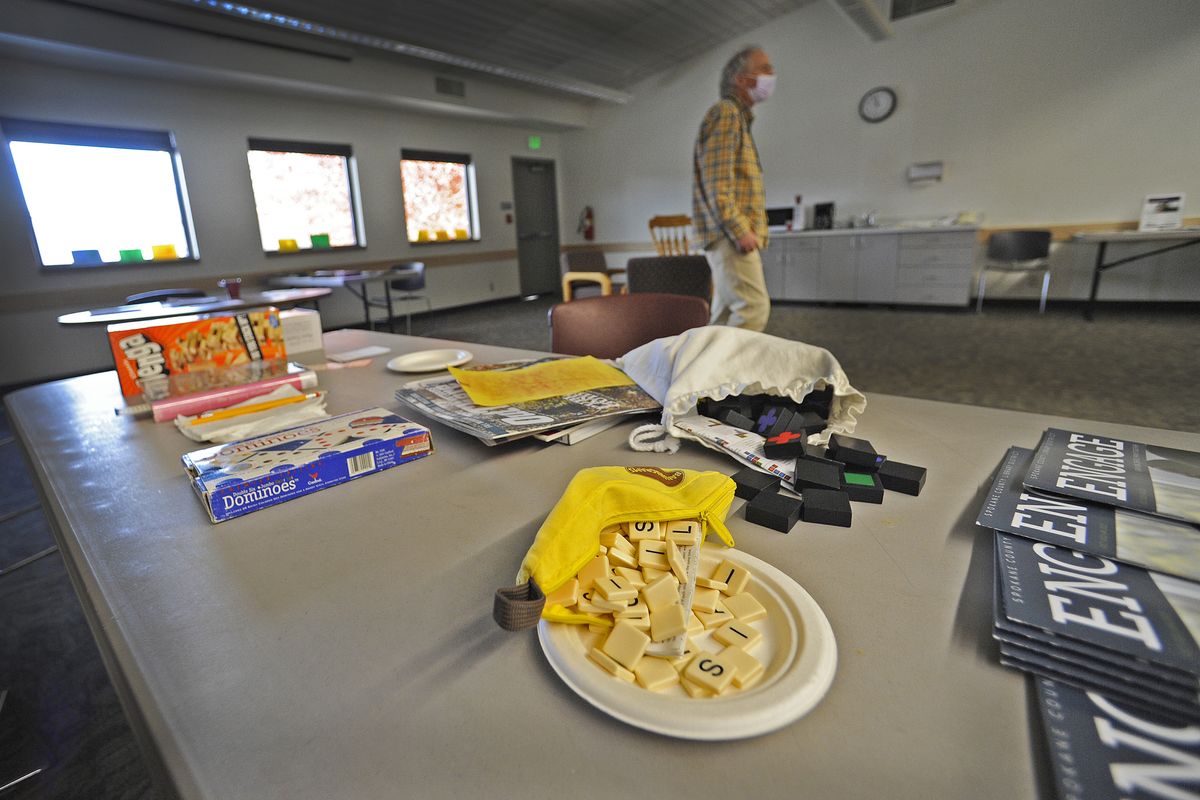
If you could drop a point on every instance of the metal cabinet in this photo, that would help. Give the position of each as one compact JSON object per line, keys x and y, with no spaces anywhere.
{"x":918,"y":267}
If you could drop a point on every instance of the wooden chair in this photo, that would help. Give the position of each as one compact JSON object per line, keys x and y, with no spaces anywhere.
{"x":612,"y":325}
{"x":670,"y":234}
{"x":671,"y":275}
{"x":587,"y":268}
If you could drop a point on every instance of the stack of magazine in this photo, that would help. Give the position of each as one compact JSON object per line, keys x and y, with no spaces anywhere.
{"x":1097,"y":594}
{"x":564,"y":418}
{"x":1098,"y":568}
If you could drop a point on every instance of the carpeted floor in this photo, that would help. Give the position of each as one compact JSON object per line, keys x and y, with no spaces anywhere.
{"x":1133,"y":365}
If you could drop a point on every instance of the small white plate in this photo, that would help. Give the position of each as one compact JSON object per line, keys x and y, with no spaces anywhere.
{"x":429,"y":360}
{"x":798,"y":650}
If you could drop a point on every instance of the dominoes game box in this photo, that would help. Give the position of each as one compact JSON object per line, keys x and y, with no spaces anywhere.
{"x":151,"y":355}
{"x":240,"y":477}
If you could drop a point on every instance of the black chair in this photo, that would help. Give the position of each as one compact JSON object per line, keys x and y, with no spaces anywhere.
{"x":410,"y":287}
{"x":1017,"y":251}
{"x":689,"y":275}
{"x":587,"y":270}
{"x":154,"y":295}
{"x":611,"y":325}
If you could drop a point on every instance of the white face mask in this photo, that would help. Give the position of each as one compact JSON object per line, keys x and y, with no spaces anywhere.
{"x":763,"y":86}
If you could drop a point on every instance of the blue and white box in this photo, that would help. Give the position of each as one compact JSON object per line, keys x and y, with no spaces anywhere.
{"x":239,"y":477}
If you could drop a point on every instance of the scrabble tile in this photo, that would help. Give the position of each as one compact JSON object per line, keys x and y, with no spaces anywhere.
{"x":651,"y":574}
{"x":745,"y":607}
{"x":609,"y":665}
{"x":695,"y":691}
{"x":641,"y":531}
{"x":593,"y":571}
{"x":711,"y":583}
{"x":714,"y":619}
{"x":903,"y":478}
{"x":619,"y":558}
{"x":609,"y":535}
{"x":638,"y":611}
{"x":694,"y":624}
{"x":662,"y":593}
{"x":710,"y":671}
{"x":706,"y":600}
{"x":565,"y":595}
{"x":653,"y":553}
{"x":854,"y":452}
{"x":862,"y":487}
{"x":586,"y":604}
{"x":737,"y":634}
{"x":815,"y":475}
{"x":608,"y":606}
{"x":680,"y":662}
{"x":735,"y":577}
{"x":641,"y":623}
{"x":596,"y":627}
{"x":684,"y":533}
{"x":616,"y":588}
{"x":751,"y":481}
{"x":677,"y":562}
{"x":619,"y":542}
{"x":746,"y":668}
{"x":826,"y":507}
{"x":656,"y":674}
{"x":668,"y":622}
{"x":631,"y":574}
{"x":603,"y":550}
{"x":626,"y":644}
{"x":774,"y":510}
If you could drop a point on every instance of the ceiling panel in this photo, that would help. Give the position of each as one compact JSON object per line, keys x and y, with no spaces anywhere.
{"x":613,"y":43}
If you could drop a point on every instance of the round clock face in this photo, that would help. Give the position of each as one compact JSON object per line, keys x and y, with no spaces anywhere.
{"x":877,"y":104}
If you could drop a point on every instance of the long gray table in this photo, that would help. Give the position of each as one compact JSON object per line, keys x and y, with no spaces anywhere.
{"x":1184,"y":237}
{"x":186,"y":306}
{"x":340,"y":645}
{"x":349,"y":278}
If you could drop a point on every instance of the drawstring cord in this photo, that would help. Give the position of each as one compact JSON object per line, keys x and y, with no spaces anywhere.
{"x":653,"y":439}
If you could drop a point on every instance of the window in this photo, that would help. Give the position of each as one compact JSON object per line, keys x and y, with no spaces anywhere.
{"x":101,"y":195}
{"x":306,"y":195}
{"x":439,"y":196}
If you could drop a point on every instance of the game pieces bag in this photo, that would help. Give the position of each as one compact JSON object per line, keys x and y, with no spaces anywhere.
{"x":596,"y":498}
{"x":715,"y":362}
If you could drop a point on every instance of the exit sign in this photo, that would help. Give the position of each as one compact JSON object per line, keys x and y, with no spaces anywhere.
{"x":535,"y":143}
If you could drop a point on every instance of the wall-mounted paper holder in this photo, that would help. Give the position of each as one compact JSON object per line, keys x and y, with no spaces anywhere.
{"x":925,"y":171}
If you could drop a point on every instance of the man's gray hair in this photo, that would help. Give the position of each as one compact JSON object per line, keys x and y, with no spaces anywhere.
{"x":736,"y":66}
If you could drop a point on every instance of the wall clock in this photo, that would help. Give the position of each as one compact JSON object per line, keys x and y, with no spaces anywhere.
{"x":877,"y":104}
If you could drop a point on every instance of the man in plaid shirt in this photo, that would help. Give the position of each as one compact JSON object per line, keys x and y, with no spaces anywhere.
{"x":728,"y":207}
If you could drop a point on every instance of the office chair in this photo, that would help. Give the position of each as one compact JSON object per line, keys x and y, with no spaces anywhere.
{"x":689,"y":275}
{"x":410,"y":287}
{"x":1017,"y":251}
{"x":586,"y":269}
{"x":154,"y":295}
{"x":611,"y":325}
{"x":670,"y":234}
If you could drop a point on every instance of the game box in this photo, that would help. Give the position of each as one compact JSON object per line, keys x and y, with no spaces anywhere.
{"x":150,"y":353}
{"x":239,"y":477}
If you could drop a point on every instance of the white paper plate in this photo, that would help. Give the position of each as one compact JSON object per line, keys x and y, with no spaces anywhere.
{"x":798,"y":651}
{"x":429,"y":360}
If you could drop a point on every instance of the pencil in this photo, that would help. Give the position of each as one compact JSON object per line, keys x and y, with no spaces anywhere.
{"x":226,"y":413}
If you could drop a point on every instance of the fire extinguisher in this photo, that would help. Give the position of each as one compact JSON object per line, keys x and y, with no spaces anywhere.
{"x":587,"y":223}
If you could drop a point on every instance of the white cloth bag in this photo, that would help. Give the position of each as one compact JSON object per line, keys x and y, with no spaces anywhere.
{"x":716,"y":361}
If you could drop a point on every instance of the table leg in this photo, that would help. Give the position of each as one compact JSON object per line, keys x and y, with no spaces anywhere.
{"x":387,"y":295}
{"x":1088,"y":311}
{"x":366,"y":309}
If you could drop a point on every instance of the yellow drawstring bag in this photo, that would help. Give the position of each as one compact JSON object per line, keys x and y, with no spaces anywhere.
{"x":596,"y":498}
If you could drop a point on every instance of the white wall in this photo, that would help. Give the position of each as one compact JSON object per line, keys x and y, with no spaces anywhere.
{"x":1043,"y":112}
{"x":212,"y":119}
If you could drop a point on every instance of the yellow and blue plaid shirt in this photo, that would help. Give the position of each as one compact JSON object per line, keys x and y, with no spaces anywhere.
{"x":727,"y":185}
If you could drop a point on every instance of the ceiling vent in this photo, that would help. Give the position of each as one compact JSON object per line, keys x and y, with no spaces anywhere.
{"x":906,"y":8}
{"x":868,"y":18}
{"x":450,"y":86}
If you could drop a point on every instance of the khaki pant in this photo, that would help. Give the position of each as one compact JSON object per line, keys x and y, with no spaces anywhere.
{"x":739,"y":289}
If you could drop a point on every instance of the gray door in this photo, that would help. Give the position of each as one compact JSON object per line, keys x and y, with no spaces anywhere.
{"x":535,"y":202}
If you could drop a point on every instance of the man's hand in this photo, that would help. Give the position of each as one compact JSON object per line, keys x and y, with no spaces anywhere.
{"x":747,"y":243}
